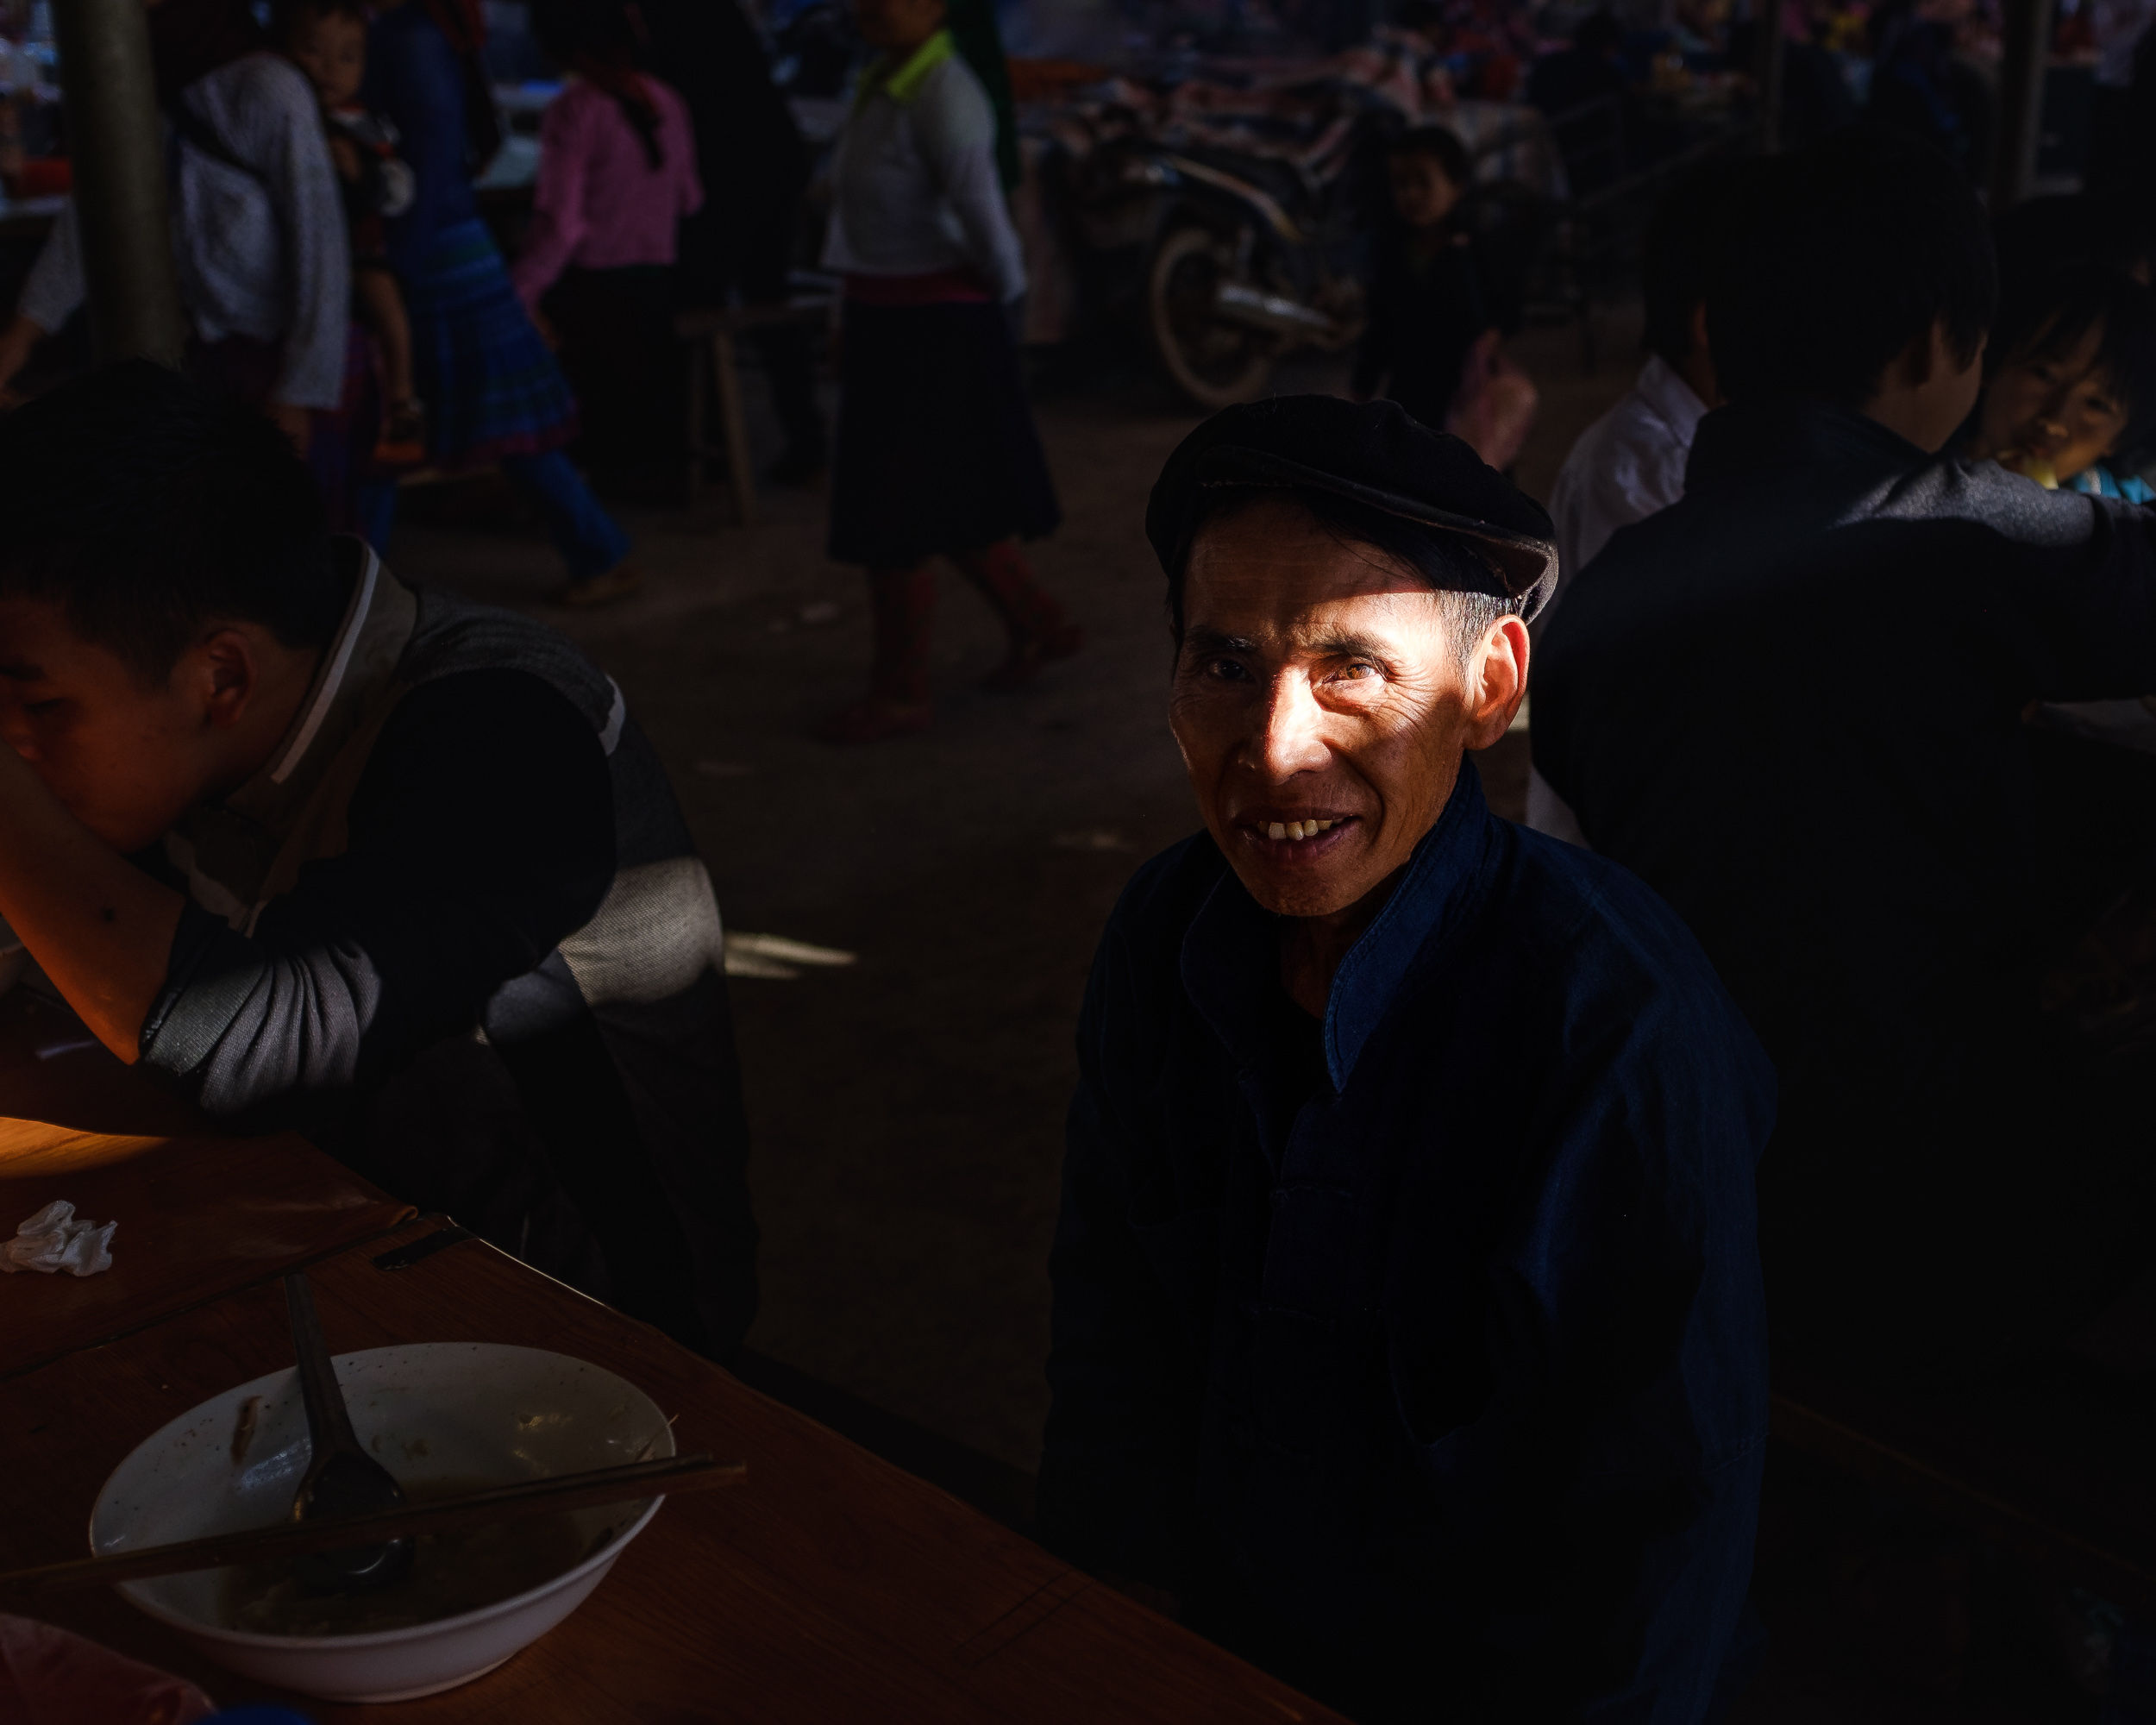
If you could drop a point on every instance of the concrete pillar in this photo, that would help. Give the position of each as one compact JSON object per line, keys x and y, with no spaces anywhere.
{"x":2026,"y":41}
{"x":115,"y":144}
{"x":1766,"y":71}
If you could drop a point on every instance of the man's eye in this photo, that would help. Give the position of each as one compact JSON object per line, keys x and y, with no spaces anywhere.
{"x":1357,"y":672}
{"x":1226,"y":669}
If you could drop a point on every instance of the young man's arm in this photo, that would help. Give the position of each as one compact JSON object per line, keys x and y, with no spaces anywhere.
{"x":482,"y":834}
{"x":2066,"y":591}
{"x":99,"y":927}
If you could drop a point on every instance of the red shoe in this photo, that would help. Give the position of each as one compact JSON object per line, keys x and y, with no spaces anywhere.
{"x":873,"y":720}
{"x":402,"y":441}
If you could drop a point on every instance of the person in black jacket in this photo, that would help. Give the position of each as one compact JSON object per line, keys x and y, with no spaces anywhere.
{"x":1798,"y":702}
{"x":755,"y":167}
{"x":1441,"y":302}
{"x":1428,"y":301}
{"x":333,"y":853}
{"x":1408,"y":1336}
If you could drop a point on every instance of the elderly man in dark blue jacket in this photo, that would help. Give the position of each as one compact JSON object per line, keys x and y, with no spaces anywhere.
{"x":1408,"y":1331}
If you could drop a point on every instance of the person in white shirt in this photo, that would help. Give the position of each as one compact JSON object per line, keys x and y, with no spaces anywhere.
{"x":258,"y":222}
{"x":937,"y":453}
{"x":1630,"y":462}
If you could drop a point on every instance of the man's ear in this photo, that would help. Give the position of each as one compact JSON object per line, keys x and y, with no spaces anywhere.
{"x":1498,"y":682}
{"x":223,"y":670}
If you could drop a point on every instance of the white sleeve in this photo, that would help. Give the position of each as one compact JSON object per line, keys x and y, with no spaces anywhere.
{"x":289,"y":149}
{"x":975,"y":191}
{"x":956,"y":130}
{"x":55,"y":285}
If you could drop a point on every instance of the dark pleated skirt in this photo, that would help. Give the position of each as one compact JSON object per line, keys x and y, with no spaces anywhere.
{"x":937,"y":449}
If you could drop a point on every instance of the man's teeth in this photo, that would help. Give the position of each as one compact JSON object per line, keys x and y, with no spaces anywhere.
{"x":1298,"y":828}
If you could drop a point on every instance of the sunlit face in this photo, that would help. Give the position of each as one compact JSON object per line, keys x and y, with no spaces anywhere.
{"x":330,"y":47}
{"x":127,"y":759}
{"x":2063,"y":413}
{"x":1422,"y":192}
{"x":898,"y":25}
{"x":1318,"y":689}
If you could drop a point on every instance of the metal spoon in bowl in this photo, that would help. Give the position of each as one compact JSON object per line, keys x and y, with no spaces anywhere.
{"x":341,"y":1479}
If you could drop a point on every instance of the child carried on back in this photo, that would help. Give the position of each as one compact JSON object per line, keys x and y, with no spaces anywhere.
{"x":1440,"y":308}
{"x":327,"y":40}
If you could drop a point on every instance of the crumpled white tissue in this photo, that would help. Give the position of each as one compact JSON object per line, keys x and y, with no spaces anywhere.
{"x":52,"y":1239}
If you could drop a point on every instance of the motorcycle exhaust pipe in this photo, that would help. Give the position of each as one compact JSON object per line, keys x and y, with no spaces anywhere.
{"x":1237,"y":302}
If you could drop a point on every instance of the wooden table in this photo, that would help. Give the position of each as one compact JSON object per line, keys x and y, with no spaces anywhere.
{"x":200,"y":1216}
{"x":829,"y":1586}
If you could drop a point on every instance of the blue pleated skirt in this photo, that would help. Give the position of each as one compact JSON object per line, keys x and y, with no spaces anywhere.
{"x":491,"y":385}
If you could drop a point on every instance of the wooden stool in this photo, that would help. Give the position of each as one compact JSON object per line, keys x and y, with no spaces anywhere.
{"x":711,"y":333}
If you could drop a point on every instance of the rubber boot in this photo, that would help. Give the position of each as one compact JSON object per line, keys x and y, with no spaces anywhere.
{"x":1041,"y":630}
{"x":903,"y":604}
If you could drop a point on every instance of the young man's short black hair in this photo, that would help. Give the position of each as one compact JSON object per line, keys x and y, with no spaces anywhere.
{"x":1841,"y":254}
{"x":144,"y":506}
{"x":1442,"y":145}
{"x":1689,"y":222}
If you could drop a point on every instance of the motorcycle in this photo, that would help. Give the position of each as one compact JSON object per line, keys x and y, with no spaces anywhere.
{"x":1239,"y":258}
{"x":1229,"y":259}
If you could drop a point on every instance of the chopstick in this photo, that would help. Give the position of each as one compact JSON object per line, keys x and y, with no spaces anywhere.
{"x":443,"y":1515}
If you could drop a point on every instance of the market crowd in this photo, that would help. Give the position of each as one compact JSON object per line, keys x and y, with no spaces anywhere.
{"x":1438,"y":1188}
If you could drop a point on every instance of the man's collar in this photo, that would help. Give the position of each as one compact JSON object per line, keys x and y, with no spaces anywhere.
{"x":1230,"y":954}
{"x":902,"y":80}
{"x":378,"y":623}
{"x":1671,"y":400}
{"x":1787,"y":434}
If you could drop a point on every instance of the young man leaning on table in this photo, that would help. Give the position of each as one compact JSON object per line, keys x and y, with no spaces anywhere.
{"x":333,"y":852}
{"x":1408,"y":1327}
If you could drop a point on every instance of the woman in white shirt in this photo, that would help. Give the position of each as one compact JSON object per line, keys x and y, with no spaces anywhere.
{"x":937,"y":454}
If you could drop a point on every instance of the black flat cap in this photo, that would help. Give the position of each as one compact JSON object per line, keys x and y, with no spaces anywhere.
{"x":1372,"y":453}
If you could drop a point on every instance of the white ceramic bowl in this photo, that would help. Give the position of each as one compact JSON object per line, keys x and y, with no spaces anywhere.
{"x":439,"y":1410}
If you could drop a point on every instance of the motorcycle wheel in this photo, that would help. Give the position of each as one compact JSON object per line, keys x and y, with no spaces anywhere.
{"x":1215,"y":363}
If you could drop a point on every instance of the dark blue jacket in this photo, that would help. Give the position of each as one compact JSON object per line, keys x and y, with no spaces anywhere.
{"x":1424,"y":1354}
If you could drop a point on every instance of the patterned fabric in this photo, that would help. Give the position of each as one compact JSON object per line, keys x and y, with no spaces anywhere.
{"x":491,"y":386}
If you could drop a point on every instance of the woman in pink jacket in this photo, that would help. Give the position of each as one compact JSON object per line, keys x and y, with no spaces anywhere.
{"x":617,"y":174}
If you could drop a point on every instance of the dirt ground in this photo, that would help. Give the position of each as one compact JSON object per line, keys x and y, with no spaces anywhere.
{"x":907,"y":1078}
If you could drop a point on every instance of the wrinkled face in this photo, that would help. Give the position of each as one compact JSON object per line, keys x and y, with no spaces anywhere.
{"x":898,"y":25}
{"x":2061,"y":413}
{"x":331,"y":49}
{"x":1421,"y":192}
{"x":1321,"y":707}
{"x":127,"y":760}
